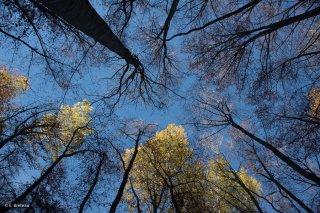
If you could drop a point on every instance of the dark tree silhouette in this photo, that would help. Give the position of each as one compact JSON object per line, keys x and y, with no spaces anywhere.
{"x":253,"y":68}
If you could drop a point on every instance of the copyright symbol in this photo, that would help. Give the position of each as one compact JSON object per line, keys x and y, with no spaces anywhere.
{"x":6,"y":205}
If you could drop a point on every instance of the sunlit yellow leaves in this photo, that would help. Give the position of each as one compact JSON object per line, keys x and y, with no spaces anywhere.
{"x":10,"y":85}
{"x":224,"y":183}
{"x":250,"y":182}
{"x":160,"y":160}
{"x":166,"y":161}
{"x":314,"y":101}
{"x":169,"y":148}
{"x":69,"y":126}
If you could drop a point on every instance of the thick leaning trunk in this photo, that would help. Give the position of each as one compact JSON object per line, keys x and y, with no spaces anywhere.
{"x":82,"y":16}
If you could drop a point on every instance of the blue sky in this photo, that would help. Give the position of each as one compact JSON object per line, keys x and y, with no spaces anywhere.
{"x":43,"y":89}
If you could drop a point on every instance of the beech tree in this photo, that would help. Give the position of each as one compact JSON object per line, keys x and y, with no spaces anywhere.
{"x":276,"y":156}
{"x":10,"y":85}
{"x":59,"y":129}
{"x":166,"y":177}
{"x":228,"y":40}
{"x":247,"y":71}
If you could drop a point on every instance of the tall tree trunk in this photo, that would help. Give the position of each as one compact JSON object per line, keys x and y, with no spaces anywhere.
{"x":125,"y":177}
{"x":81,"y":15}
{"x":43,"y":176}
{"x":136,"y":196}
{"x":33,"y":186}
{"x":247,"y":190}
{"x":94,"y":183}
{"x":174,"y":201}
{"x":308,"y":175}
{"x":280,"y":186}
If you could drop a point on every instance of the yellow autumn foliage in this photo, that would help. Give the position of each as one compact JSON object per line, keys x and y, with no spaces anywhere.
{"x":166,"y":161}
{"x":159,"y":159}
{"x":10,"y":85}
{"x":71,"y":123}
{"x":314,"y":102}
{"x":225,"y":186}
